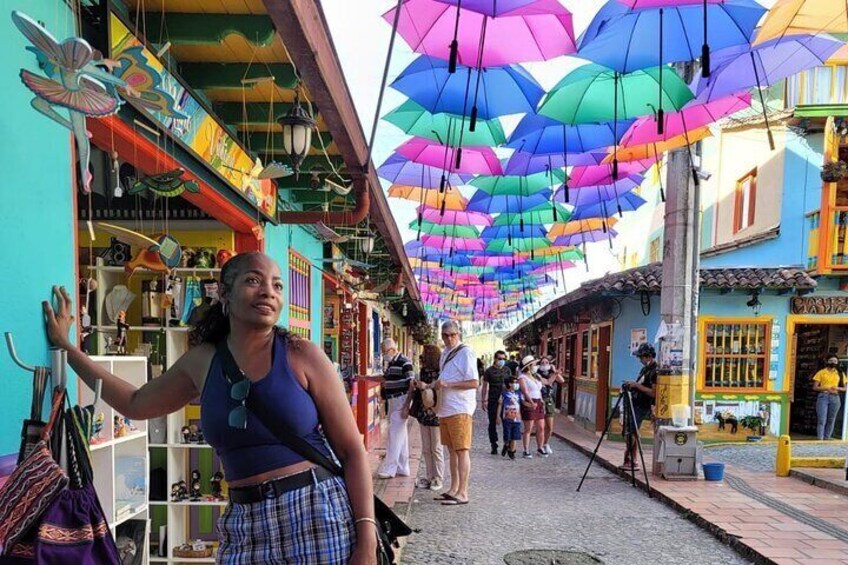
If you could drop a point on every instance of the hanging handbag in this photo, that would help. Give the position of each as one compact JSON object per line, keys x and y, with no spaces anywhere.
{"x":33,"y":485}
{"x":74,"y":528}
{"x":390,"y":526}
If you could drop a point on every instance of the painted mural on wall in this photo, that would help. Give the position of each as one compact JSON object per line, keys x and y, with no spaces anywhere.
{"x":189,"y":122}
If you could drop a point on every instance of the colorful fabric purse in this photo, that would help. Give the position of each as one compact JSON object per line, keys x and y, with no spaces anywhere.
{"x":33,"y":486}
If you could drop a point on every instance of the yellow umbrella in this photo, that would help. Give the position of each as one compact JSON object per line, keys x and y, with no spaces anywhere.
{"x":577,"y":226}
{"x":653,"y":150}
{"x":430,"y":197}
{"x":549,"y":251}
{"x":795,"y":17}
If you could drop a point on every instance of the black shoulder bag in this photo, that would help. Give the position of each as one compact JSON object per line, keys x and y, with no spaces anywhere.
{"x":390,"y":526}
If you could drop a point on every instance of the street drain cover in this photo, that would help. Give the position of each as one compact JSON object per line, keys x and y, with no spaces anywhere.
{"x":550,"y":557}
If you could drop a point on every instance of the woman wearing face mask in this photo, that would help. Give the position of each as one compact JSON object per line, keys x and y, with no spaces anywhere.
{"x":549,"y":376}
{"x":830,"y":384}
{"x":532,"y":407}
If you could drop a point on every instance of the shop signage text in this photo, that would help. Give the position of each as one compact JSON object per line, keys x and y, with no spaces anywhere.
{"x":821,"y":305}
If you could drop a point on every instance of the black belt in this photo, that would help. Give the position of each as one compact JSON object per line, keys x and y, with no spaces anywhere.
{"x":276,"y":487}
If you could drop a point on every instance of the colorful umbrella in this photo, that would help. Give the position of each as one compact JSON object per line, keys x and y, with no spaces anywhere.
{"x":513,"y":231}
{"x":522,"y":163}
{"x":446,"y":230}
{"x":474,"y":160}
{"x":693,"y":116}
{"x":458,"y":243}
{"x":627,"y":202}
{"x":542,"y":214}
{"x":526,"y":244}
{"x":524,"y":185}
{"x":795,"y":17}
{"x":458,"y":217}
{"x":504,"y":90}
{"x":654,"y":150}
{"x":539,"y":134}
{"x":574,"y":227}
{"x":537,"y":31}
{"x":588,"y":195}
{"x":491,"y":8}
{"x":497,"y":260}
{"x":639,"y":4}
{"x":602,"y":174}
{"x":450,"y":199}
{"x":592,"y":94}
{"x":400,"y":170}
{"x":584,"y":237}
{"x":512,"y":203}
{"x":415,"y":120}
{"x":418,"y":249}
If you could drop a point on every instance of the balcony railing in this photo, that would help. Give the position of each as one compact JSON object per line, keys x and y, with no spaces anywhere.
{"x":823,"y":85}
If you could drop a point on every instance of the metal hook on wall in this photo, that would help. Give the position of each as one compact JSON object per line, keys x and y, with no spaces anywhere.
{"x":58,"y":362}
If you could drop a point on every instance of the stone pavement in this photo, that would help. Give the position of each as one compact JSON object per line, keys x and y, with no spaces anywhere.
{"x":532,"y":504}
{"x":770,"y":519}
{"x":761,"y":457}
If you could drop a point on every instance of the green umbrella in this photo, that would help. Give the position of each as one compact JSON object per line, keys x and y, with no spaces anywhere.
{"x":444,"y":128}
{"x":520,"y":245}
{"x":593,"y":93}
{"x":542,"y":214}
{"x":512,"y":185}
{"x":572,"y":254}
{"x":448,"y":230}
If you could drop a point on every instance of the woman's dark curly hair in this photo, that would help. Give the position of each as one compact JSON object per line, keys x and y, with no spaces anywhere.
{"x":430,"y":357}
{"x":215,"y":326}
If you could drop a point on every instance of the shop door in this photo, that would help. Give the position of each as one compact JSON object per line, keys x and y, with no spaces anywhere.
{"x":570,"y":372}
{"x":812,"y":343}
{"x":604,"y":340}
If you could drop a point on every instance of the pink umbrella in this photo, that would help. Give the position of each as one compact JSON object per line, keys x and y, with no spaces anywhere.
{"x":457,"y":243}
{"x":454,"y":217}
{"x":538,"y":31}
{"x":497,"y":260}
{"x":475,"y":160}
{"x":644,"y":130}
{"x":602,"y":174}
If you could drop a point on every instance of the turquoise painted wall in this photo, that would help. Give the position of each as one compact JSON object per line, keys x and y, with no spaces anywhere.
{"x":624,"y":366}
{"x":278,"y":240}
{"x":36,"y":219}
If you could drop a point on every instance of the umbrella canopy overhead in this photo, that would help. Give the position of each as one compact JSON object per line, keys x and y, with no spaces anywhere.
{"x":602,"y":174}
{"x":537,"y":31}
{"x":415,"y":120}
{"x":450,"y":199}
{"x":577,"y":226}
{"x":627,"y":202}
{"x":458,"y":217}
{"x":797,"y":17}
{"x":654,"y":150}
{"x":458,"y":243}
{"x":522,"y":163}
{"x":482,"y":202}
{"x":524,"y":185}
{"x":513,"y":231}
{"x":446,"y":230}
{"x":539,"y":134}
{"x":400,"y":170}
{"x":503,"y":90}
{"x":589,"y":195}
{"x":626,"y":39}
{"x":585,"y":237}
{"x":592,"y":93}
{"x":475,"y":160}
{"x":541,"y":215}
{"x":491,"y":8}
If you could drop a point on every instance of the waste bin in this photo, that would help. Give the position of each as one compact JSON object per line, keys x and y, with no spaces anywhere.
{"x":678,"y":452}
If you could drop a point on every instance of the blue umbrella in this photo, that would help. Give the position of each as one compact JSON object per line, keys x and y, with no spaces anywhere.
{"x":629,"y":39}
{"x":504,"y":90}
{"x":589,"y":195}
{"x":513,"y":203}
{"x":537,"y":134}
{"x":513,"y":231}
{"x":400,"y":170}
{"x":522,"y":163}
{"x":627,"y":202}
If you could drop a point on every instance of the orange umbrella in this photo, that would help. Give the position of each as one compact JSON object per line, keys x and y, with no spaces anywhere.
{"x":795,"y":17}
{"x":652,"y":150}
{"x":430,"y":197}
{"x":577,"y":226}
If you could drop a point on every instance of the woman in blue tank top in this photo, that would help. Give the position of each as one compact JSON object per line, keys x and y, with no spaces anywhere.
{"x":283,"y":509}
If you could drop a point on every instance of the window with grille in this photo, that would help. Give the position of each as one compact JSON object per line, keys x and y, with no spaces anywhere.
{"x":746,"y":200}
{"x":300,"y":295}
{"x":736,"y":354}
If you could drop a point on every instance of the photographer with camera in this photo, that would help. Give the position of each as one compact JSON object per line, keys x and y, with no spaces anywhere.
{"x":642,"y":393}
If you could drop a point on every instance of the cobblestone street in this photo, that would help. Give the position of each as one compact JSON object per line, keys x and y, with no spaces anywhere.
{"x":532,"y":504}
{"x":762,"y":457}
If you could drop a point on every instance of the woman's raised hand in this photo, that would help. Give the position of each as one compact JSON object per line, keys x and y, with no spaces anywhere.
{"x":58,"y":322}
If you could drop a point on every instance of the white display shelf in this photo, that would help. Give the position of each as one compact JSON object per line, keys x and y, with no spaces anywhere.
{"x":181,"y":445}
{"x":145,"y":328}
{"x":139,"y":513}
{"x":141,"y":434}
{"x":178,"y":270}
{"x":189,"y":503}
{"x":182,"y":560}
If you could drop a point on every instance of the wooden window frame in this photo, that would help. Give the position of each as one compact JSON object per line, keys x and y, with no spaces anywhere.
{"x":703,"y":330}
{"x":300,"y":276}
{"x":739,"y":199}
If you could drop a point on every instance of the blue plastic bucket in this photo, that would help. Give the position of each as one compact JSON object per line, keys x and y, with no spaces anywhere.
{"x":713,"y":471}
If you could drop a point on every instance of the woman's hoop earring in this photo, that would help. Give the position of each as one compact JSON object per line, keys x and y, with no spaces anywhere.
{"x":225,"y":309}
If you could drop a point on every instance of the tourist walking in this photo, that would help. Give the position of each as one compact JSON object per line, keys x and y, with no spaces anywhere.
{"x":509,"y":410}
{"x":494,"y":379}
{"x":457,"y":384}
{"x":282,"y":508}
{"x":397,"y":376}
{"x":550,"y":376}
{"x":422,"y":407}
{"x":532,"y":407}
{"x":830,"y":384}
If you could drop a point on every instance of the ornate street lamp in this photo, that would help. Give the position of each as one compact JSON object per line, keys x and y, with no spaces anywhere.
{"x":297,"y":124}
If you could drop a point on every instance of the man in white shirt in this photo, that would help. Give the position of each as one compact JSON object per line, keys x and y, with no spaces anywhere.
{"x":457,"y":386}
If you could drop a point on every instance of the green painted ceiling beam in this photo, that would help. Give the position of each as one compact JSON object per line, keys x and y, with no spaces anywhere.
{"x":229,"y":75}
{"x":821,"y":110}
{"x":258,"y":140}
{"x":208,"y":29}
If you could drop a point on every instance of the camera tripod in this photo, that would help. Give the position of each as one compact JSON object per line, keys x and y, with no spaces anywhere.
{"x":630,"y":414}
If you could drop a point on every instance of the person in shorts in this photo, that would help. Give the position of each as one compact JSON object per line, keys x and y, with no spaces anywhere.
{"x":642,"y":393}
{"x":509,"y":410}
{"x":550,"y":376}
{"x":532,"y":407}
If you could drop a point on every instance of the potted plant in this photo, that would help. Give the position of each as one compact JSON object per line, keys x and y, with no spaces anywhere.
{"x":834,"y":171}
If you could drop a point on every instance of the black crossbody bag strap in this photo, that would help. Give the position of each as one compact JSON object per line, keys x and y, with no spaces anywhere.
{"x":453,"y":354}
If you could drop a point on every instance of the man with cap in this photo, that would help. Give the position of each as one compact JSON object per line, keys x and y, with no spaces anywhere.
{"x":642,"y":394}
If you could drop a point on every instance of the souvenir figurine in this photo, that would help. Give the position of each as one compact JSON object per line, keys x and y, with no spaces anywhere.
{"x":183,"y":490}
{"x":121,"y":339}
{"x":130,"y":427}
{"x":192,"y":437}
{"x":204,"y":259}
{"x":187,"y":259}
{"x":85,"y":328}
{"x":215,"y":482}
{"x":97,"y":428}
{"x":120,"y":426}
{"x":195,"y":485}
{"x":186,"y":433}
{"x":223,"y":256}
{"x":175,"y":492}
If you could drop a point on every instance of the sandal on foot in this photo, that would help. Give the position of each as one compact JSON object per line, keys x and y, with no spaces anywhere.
{"x":444,"y":496}
{"x":454,"y":502}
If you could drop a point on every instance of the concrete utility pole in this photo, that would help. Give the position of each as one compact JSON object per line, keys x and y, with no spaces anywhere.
{"x":680,"y":286}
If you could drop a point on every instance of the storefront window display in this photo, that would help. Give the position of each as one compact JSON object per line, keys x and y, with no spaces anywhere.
{"x":736,"y":354}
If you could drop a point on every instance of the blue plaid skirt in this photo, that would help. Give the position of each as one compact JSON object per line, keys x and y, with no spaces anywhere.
{"x":312,"y":525}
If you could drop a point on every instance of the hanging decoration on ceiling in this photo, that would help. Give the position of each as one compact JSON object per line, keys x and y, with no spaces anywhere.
{"x":167,"y":185}
{"x":144,"y":83}
{"x":77,"y":80}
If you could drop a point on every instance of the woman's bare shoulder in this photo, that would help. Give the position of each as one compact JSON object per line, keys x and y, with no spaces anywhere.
{"x":195,"y":363}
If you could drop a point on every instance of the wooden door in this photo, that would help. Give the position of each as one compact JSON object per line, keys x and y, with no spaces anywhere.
{"x":604,"y":341}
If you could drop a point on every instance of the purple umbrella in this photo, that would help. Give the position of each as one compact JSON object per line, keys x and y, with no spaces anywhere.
{"x":399,"y":170}
{"x":538,"y":134}
{"x":474,"y":160}
{"x":743,"y":67}
{"x":602,"y":174}
{"x":458,"y":243}
{"x":627,"y":202}
{"x":491,"y":8}
{"x":589,"y":195}
{"x":584,"y":237}
{"x":522,"y":163}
